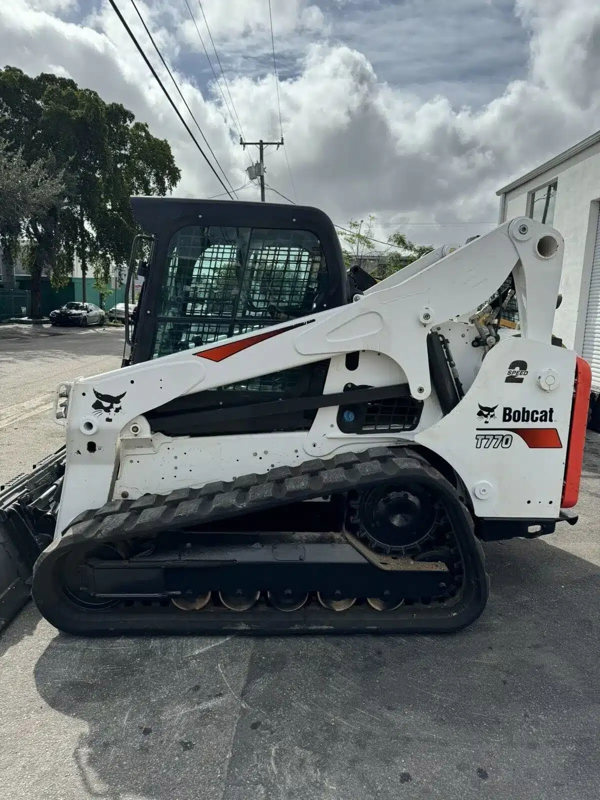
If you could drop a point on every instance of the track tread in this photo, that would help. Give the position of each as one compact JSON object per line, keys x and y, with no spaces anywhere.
{"x":248,"y":493}
{"x":149,"y":515}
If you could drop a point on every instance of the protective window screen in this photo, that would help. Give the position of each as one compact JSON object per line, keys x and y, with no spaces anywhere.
{"x":223,"y":281}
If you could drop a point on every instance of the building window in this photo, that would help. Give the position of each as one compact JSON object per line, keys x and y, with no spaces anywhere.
{"x":541,"y":203}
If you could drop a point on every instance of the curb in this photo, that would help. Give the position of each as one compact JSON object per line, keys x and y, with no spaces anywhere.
{"x":28,"y":321}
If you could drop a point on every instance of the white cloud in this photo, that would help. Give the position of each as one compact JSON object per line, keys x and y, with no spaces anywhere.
{"x":565,"y":49}
{"x":237,"y":18}
{"x":356,"y":144}
{"x":53,"y":5}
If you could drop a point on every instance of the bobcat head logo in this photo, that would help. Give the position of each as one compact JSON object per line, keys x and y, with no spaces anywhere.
{"x":487,"y":412}
{"x":107,"y":404}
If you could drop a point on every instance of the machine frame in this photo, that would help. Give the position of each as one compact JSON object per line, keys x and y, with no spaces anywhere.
{"x":388,"y":326}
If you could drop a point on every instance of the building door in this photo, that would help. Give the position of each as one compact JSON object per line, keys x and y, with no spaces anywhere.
{"x":591,"y":334}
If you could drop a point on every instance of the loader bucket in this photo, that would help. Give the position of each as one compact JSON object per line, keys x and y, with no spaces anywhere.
{"x":15,"y":572}
{"x":27,"y":506}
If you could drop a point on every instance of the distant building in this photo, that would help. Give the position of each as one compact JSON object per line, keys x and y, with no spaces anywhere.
{"x":565,"y":193}
{"x":12,"y":303}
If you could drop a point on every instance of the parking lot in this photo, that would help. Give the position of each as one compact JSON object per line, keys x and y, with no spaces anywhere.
{"x":509,"y":708}
{"x":33,"y":360}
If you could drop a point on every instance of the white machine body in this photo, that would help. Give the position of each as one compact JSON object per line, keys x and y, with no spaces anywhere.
{"x":506,"y":439}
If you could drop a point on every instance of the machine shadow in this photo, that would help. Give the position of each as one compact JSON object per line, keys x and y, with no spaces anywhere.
{"x":499,"y":710}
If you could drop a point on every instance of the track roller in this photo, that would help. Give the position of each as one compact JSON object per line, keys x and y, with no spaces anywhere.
{"x":388,"y":602}
{"x":239,"y":600}
{"x":334,"y":601}
{"x":193,"y":604}
{"x":287,"y":600}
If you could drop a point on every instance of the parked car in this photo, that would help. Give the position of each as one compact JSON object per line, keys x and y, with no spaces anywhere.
{"x":75,"y":313}
{"x":118,"y":312}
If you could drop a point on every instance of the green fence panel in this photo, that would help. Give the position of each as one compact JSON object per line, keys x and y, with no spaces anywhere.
{"x":49,"y":298}
{"x":14,"y":303}
{"x":92,"y":295}
{"x":55,"y":298}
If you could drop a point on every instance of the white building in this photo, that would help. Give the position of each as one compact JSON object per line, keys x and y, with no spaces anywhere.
{"x":565,"y":193}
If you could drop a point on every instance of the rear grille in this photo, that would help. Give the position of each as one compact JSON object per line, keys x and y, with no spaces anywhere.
{"x":381,"y":416}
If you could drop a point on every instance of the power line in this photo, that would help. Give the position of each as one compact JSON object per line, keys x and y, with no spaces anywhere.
{"x":400,"y":223}
{"x":280,"y":195}
{"x":340,"y":228}
{"x":166,"y":66}
{"x":225,"y":81}
{"x":239,"y":189}
{"x":276,"y":76}
{"x":289,"y":171}
{"x":370,"y":238}
{"x":210,"y":64}
{"x":166,"y":93}
{"x":275,"y":69}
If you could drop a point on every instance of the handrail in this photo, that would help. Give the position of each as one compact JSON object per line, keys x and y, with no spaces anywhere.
{"x":130,"y":273}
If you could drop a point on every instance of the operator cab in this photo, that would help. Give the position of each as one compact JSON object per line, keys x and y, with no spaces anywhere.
{"x":218,"y":269}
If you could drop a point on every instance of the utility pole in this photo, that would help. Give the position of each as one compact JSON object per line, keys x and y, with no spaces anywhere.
{"x":258,"y":169}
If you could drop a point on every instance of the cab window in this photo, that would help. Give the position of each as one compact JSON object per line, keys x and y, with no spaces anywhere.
{"x":223,"y":281}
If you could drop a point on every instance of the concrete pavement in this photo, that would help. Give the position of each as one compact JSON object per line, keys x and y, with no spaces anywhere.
{"x":33,"y":360}
{"x":509,"y":708}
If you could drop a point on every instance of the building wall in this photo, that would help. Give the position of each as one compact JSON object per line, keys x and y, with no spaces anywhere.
{"x":575,"y":217}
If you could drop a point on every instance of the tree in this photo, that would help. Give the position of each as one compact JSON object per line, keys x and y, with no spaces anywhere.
{"x":27,"y":191}
{"x":358,"y":239}
{"x":414,"y":251}
{"x":402,"y":252}
{"x":358,"y":243}
{"x":105,"y":156}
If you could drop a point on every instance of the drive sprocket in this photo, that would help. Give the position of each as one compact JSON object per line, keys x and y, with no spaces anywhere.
{"x":396,"y":518}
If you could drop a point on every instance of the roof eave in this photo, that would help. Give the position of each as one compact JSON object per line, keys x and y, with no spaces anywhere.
{"x":552,"y":163}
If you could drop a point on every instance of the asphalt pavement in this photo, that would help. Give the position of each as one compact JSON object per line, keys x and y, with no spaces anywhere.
{"x":509,"y":708}
{"x":34,"y":359}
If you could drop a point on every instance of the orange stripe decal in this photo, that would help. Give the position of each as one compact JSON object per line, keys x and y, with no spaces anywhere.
{"x":223,"y":351}
{"x":539,"y":438}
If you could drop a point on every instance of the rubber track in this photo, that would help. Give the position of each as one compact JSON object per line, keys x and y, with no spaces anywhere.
{"x":151,"y":514}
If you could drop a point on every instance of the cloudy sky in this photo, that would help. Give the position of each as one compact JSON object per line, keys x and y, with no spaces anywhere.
{"x":416,"y":111}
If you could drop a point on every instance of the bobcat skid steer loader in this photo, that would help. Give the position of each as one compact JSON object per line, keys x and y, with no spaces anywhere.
{"x":285,"y":452}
